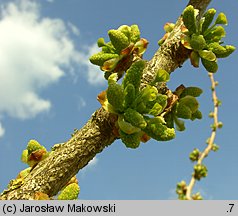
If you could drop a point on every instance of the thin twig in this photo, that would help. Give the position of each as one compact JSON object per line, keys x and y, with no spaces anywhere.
{"x":212,"y":137}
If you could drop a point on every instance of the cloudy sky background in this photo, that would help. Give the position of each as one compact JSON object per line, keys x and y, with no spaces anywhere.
{"x":48,"y":88}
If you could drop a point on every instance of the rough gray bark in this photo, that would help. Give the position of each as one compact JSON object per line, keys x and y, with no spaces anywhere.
{"x":51,"y":174}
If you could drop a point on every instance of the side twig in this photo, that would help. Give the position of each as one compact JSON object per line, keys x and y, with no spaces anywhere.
{"x":211,"y":139}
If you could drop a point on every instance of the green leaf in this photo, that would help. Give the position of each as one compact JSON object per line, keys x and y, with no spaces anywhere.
{"x":221,"y":51}
{"x":133,"y":75}
{"x":185,"y":40}
{"x":130,"y":140}
{"x":101,"y":57}
{"x":127,"y":127}
{"x":207,"y":54}
{"x":189,"y":101}
{"x":157,"y":129}
{"x":180,"y":126}
{"x":135,"y":33}
{"x":194,"y":58}
{"x":197,"y":115}
{"x":129,"y":95}
{"x":215,"y":34}
{"x":118,"y":39}
{"x":189,"y":19}
{"x":211,"y":66}
{"x":149,"y":93}
{"x":115,"y":96}
{"x":135,"y":118}
{"x":126,"y":30}
{"x":197,"y":42}
{"x":192,"y":91}
{"x":209,"y":15}
{"x":183,"y":111}
{"x":156,"y":109}
{"x":162,"y":76}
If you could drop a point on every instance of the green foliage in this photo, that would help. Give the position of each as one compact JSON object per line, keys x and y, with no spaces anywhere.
{"x":185,"y":108}
{"x":200,"y":171}
{"x":138,"y":109}
{"x":142,"y":111}
{"x":118,"y":54}
{"x":181,"y":190}
{"x":205,"y":39}
{"x":34,"y":153}
{"x":194,"y":155}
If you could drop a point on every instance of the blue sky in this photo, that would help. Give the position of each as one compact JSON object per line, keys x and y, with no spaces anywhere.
{"x":48,"y":88}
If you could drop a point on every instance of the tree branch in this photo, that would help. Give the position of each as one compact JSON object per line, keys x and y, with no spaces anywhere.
{"x":51,"y":174}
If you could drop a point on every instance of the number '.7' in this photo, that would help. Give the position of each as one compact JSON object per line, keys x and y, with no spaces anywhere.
{"x":231,"y":205}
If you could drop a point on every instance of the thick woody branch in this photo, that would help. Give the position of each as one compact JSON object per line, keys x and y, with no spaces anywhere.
{"x":51,"y":174}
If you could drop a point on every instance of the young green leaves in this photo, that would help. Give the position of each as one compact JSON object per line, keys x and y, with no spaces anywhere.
{"x":138,"y":109}
{"x":124,"y":47}
{"x":185,"y":108}
{"x":34,"y":153}
{"x":205,"y":40}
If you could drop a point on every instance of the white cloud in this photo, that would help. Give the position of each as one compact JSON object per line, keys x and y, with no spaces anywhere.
{"x":93,"y":162}
{"x":74,"y":29}
{"x":35,"y":53}
{"x":81,"y":103}
{"x":90,"y":165}
{"x":2,"y":130}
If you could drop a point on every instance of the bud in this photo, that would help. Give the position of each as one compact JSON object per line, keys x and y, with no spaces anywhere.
{"x":194,"y":155}
{"x":221,"y":19}
{"x":33,"y":145}
{"x":200,"y":171}
{"x":197,"y":196}
{"x":168,"y":27}
{"x":215,"y":147}
{"x":101,"y":42}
